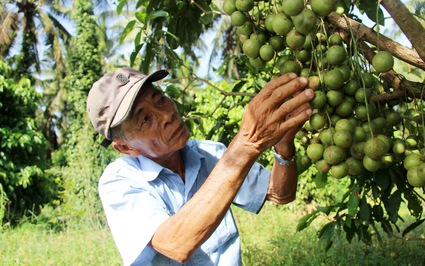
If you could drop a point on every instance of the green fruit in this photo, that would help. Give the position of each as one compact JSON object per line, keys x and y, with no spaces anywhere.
{"x":357,"y":150}
{"x":412,"y":160}
{"x":372,"y":165}
{"x":398,"y":147}
{"x":394,"y":118}
{"x":334,"y":97}
{"x":345,"y":125}
{"x":315,"y":151}
{"x":322,"y":166}
{"x":259,"y":36}
{"x":339,"y":171}
{"x":238,"y":18}
{"x":303,"y":55}
{"x":412,"y":142}
{"x":367,"y":79}
{"x":295,"y":40}
{"x":334,"y":79}
{"x":355,"y":167}
{"x":244,"y":5}
{"x":313,"y":82}
{"x":277,"y":42}
{"x":383,"y":61}
{"x":351,"y":87}
{"x":229,"y":6}
{"x":323,"y":7}
{"x":319,"y":100}
{"x":251,"y":48}
{"x":363,"y":95}
{"x":305,"y":22}
{"x":290,"y":66}
{"x":345,"y":108}
{"x":282,"y":24}
{"x":346,"y":71}
{"x":359,"y":134}
{"x":335,"y":39}
{"x":375,"y":148}
{"x":269,"y":22}
{"x":292,"y":7}
{"x":414,"y":178}
{"x":336,"y":55}
{"x":334,"y":154}
{"x":326,"y":136}
{"x":342,"y":138}
{"x":317,"y":121}
{"x":267,"y":52}
{"x":257,"y":62}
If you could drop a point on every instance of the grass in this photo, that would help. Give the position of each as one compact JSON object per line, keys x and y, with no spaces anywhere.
{"x":268,"y":238}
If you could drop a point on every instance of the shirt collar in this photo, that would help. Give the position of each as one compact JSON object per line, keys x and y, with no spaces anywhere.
{"x":192,"y":158}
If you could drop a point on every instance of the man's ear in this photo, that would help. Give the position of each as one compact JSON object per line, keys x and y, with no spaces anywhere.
{"x":122,"y":147}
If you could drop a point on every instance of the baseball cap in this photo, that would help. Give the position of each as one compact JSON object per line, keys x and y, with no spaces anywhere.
{"x":111,"y":98}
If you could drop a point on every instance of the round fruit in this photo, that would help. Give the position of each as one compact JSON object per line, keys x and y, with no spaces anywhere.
{"x":333,"y":154}
{"x":393,"y":118}
{"x":257,"y":62}
{"x":319,"y":100}
{"x":346,"y":71}
{"x":317,"y":121}
{"x":357,"y":150}
{"x":292,"y":7}
{"x":342,"y":138}
{"x":303,"y":55}
{"x":335,"y":39}
{"x":244,"y":5}
{"x":315,"y":151}
{"x":323,"y":7}
{"x":295,"y":40}
{"x":336,"y":55}
{"x":269,"y":22}
{"x":229,"y":6}
{"x":412,"y":160}
{"x":247,"y":28}
{"x":345,"y":108}
{"x":359,"y":134}
{"x":339,"y":171}
{"x":313,"y":82}
{"x":290,"y":66}
{"x":326,"y":136}
{"x":238,"y":18}
{"x":383,"y":61}
{"x":412,"y":142}
{"x":259,"y":36}
{"x":351,"y":87}
{"x":334,"y":97}
{"x":375,"y":148}
{"x":355,"y":167}
{"x":305,"y":22}
{"x":267,"y":52}
{"x":367,"y":79}
{"x":363,"y":95}
{"x":282,"y":24}
{"x":277,"y":42}
{"x":413,"y":177}
{"x":344,"y":125}
{"x":334,"y":79}
{"x":398,"y":147}
{"x":251,"y":48}
{"x":370,"y":164}
{"x":322,"y":166}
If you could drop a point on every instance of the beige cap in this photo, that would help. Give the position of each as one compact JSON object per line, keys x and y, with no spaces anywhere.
{"x":111,"y":98}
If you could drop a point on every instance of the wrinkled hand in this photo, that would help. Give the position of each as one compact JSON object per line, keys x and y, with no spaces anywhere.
{"x":276,"y":112}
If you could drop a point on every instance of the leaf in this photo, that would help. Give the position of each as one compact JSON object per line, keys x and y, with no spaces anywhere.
{"x":413,"y":204}
{"x":370,"y":8}
{"x":364,"y":212}
{"x":412,"y":226}
{"x":321,"y":180}
{"x":306,"y":220}
{"x":326,"y":234}
{"x":353,"y":202}
{"x":158,"y":14}
{"x":392,"y":205}
{"x":128,"y":28}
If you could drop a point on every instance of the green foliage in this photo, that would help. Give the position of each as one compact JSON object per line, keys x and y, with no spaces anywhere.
{"x":23,"y":183}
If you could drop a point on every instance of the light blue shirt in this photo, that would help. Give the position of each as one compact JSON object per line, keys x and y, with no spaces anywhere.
{"x":138,"y":195}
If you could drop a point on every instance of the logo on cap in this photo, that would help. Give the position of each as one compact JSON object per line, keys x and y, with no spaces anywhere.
{"x":122,"y":79}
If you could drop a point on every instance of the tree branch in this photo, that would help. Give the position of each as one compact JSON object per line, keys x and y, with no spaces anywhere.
{"x":366,"y":34}
{"x":408,"y":24}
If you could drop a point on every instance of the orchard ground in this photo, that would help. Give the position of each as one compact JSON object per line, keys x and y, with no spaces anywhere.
{"x":269,"y":238}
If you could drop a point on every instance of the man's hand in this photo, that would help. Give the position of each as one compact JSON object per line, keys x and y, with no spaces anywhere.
{"x":276,"y":112}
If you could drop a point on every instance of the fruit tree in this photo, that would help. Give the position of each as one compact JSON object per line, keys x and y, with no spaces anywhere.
{"x":368,"y":120}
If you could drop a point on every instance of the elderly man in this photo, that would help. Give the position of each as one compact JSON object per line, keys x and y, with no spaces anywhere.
{"x":167,"y":200}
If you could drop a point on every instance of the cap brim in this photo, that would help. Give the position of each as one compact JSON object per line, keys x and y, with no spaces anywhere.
{"x":126,"y":104}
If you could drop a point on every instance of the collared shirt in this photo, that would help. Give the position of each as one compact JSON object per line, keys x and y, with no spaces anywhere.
{"x":138,"y":195}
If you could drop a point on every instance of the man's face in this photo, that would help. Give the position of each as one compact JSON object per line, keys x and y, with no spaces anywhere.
{"x":155,"y":128}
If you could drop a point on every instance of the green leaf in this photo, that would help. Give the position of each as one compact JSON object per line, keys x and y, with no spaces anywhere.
{"x":128,"y":28}
{"x":364,"y":212}
{"x":412,"y":226}
{"x":353,"y":202}
{"x":158,"y":14}
{"x":413,"y":203}
{"x":370,"y":8}
{"x":321,"y":180}
{"x":141,"y":16}
{"x":120,"y":6}
{"x":306,"y":220}
{"x":326,"y":235}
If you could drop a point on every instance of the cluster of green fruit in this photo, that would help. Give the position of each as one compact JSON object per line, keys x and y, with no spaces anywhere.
{"x":347,"y":134}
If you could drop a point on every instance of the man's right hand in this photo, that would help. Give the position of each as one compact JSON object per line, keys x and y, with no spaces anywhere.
{"x":274,"y":111}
